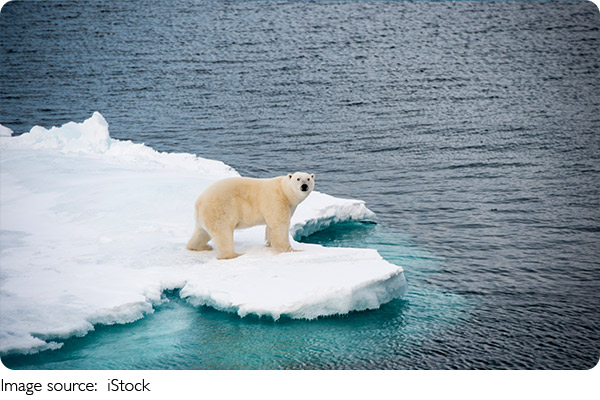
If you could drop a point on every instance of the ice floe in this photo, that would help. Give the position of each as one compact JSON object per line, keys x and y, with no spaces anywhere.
{"x":93,"y":231}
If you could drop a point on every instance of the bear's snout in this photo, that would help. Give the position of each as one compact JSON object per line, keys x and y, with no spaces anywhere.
{"x":304,"y":187}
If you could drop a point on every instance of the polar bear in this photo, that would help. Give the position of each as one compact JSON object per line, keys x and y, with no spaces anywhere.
{"x":234,"y":203}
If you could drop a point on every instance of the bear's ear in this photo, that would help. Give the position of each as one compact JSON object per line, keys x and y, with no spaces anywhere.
{"x":290,"y":176}
{"x":312,"y":176}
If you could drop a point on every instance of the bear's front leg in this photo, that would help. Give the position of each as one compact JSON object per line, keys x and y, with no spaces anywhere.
{"x":280,"y":238}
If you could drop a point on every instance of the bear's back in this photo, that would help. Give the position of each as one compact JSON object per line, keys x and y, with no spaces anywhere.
{"x":240,"y":188}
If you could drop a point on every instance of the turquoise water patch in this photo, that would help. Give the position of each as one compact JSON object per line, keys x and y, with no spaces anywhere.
{"x":180,"y":336}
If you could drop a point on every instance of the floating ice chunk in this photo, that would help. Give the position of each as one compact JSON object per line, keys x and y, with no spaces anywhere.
{"x":320,"y":210}
{"x":93,"y":230}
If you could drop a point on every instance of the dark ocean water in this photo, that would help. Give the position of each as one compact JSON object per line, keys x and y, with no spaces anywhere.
{"x":472,"y":129}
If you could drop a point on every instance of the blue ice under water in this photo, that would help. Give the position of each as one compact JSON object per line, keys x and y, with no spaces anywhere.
{"x":180,"y":336}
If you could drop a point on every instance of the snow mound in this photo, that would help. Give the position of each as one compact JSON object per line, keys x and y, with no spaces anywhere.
{"x":93,"y":231}
{"x":5,"y":132}
{"x":91,"y":138}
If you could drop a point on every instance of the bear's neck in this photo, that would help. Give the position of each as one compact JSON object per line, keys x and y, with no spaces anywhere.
{"x":293,"y":198}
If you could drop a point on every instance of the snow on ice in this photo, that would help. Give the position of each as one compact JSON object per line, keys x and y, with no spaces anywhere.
{"x":93,"y":231}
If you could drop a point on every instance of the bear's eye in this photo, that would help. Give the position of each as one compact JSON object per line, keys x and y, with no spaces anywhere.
{"x":309,"y":179}
{"x":298,"y":179}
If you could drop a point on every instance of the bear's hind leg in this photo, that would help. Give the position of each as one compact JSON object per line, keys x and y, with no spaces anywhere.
{"x":199,"y":240}
{"x":268,"y":236}
{"x":224,"y":242}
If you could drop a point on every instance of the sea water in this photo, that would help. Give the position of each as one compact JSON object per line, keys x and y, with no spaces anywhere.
{"x":472,"y":129}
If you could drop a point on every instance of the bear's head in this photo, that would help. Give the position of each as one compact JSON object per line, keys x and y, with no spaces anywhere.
{"x":301,"y":184}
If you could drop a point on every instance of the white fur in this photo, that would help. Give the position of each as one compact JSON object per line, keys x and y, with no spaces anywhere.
{"x":234,"y":203}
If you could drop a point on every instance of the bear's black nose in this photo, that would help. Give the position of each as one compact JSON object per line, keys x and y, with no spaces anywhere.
{"x":304,"y":187}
